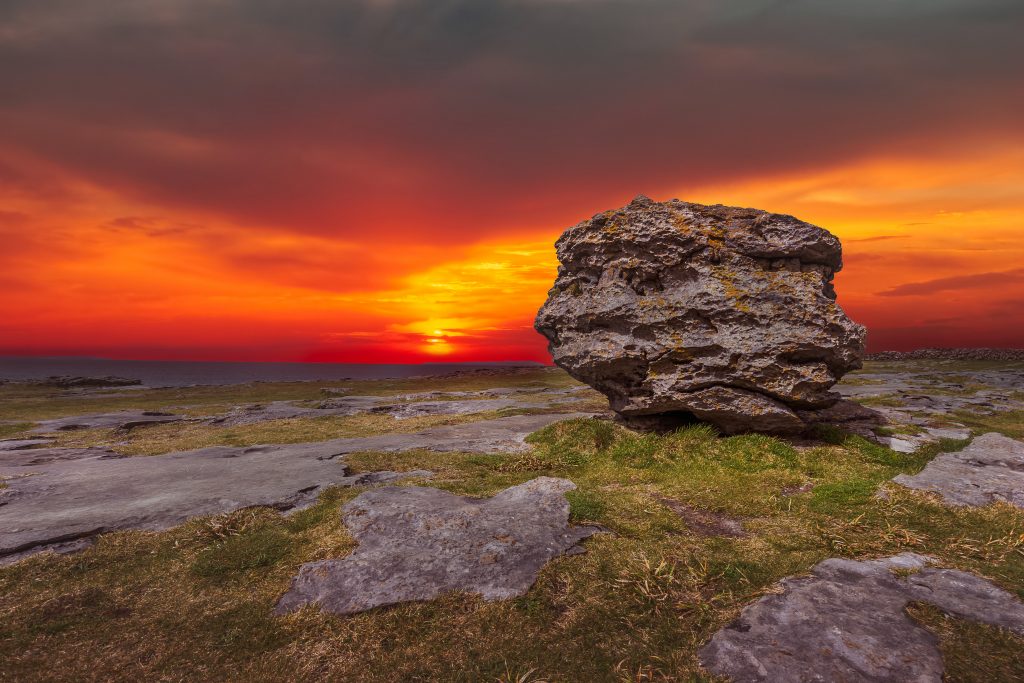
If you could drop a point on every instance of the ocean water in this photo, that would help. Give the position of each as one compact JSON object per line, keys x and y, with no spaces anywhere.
{"x":186,"y":373}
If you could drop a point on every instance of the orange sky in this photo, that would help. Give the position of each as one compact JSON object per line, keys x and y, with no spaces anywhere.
{"x":207,"y":188}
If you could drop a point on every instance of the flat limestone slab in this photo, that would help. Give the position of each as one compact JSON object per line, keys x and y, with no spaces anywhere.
{"x":285,"y":410}
{"x":417,"y":543}
{"x":60,"y":494}
{"x":404,"y":411}
{"x":123,"y":419}
{"x":846,"y":622}
{"x":990,"y":469}
{"x":21,"y":444}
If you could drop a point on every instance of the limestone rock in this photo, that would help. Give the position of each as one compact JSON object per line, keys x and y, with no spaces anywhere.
{"x":69,"y":382}
{"x":417,"y":543}
{"x":990,"y":469}
{"x":846,"y":622}
{"x":57,"y":494}
{"x":679,"y":310}
{"x":123,"y":419}
{"x":404,"y":411}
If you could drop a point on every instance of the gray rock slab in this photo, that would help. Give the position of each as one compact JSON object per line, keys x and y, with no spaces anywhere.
{"x":285,"y":410}
{"x":501,"y":435}
{"x":948,"y":432}
{"x":846,"y":622}
{"x":404,"y":411}
{"x":902,"y":443}
{"x":124,"y":419}
{"x":418,"y":543}
{"x":990,"y":469}
{"x":60,"y":494}
{"x":870,"y":390}
{"x":41,"y":456}
{"x":19,"y":444}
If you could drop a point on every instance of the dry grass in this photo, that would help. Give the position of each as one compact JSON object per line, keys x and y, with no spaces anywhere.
{"x":195,"y":602}
{"x":165,"y":438}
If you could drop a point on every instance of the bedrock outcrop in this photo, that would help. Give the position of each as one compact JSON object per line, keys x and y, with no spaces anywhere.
{"x":677,"y":311}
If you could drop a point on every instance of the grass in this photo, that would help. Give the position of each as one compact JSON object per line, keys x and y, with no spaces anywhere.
{"x":165,"y":438}
{"x":910,"y":430}
{"x":13,"y":429}
{"x":886,"y":401}
{"x":195,"y":602}
{"x":1009,"y":422}
{"x":961,"y":640}
{"x":28,"y":402}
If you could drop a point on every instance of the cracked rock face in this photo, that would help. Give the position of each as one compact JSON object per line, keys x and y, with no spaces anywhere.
{"x":417,"y":543}
{"x":990,"y":469}
{"x":846,"y":622}
{"x":675,"y":310}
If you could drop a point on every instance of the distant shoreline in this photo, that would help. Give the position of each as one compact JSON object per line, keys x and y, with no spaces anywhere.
{"x":960,"y":353}
{"x":171,"y":373}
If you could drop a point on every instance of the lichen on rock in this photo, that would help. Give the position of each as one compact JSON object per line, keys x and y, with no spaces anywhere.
{"x":677,"y":311}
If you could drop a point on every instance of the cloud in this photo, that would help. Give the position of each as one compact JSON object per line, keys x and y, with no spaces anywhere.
{"x":958,"y":282}
{"x":449,"y":121}
{"x":250,"y":173}
{"x":150,"y":226}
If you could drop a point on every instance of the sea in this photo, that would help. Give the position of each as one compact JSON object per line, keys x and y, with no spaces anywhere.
{"x":171,"y":373}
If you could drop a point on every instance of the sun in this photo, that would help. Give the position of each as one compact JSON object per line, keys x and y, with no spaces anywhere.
{"x":437,"y":346}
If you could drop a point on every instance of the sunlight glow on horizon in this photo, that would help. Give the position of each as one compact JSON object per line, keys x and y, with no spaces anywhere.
{"x":168,"y":291}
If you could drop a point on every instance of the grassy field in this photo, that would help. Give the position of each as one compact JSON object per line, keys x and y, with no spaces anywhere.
{"x":194,"y":602}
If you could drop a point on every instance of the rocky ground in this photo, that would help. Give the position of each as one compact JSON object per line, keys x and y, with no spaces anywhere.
{"x":498,"y":526}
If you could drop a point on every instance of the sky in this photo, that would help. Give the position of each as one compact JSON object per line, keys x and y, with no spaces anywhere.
{"x":383,"y":180}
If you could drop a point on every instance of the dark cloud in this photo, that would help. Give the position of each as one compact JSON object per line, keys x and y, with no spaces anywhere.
{"x":958,"y":282}
{"x":398,"y":120}
{"x":150,"y":226}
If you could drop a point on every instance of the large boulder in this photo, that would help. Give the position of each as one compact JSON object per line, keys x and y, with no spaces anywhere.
{"x":678,"y":311}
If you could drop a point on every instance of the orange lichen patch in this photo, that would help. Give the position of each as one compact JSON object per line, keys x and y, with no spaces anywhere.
{"x":727,"y":278}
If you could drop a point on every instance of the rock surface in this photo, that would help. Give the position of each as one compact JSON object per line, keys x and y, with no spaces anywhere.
{"x":990,"y":469}
{"x":287,"y":410}
{"x":71,"y":382}
{"x":678,"y":310}
{"x":417,"y":543}
{"x":22,"y":444}
{"x":404,"y":411}
{"x":951,"y":354}
{"x":704,"y":522}
{"x":846,"y":622}
{"x":124,"y":419}
{"x":60,"y":494}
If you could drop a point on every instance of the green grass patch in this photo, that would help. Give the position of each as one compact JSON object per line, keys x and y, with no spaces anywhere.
{"x":197,"y":600}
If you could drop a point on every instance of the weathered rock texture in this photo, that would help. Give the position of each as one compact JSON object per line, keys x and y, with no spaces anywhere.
{"x":124,"y":419}
{"x":55,"y":495}
{"x":417,"y":543}
{"x":677,"y":310}
{"x":990,"y":469}
{"x":846,"y":622}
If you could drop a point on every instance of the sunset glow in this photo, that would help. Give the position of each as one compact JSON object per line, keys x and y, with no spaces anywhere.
{"x":402,"y":206}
